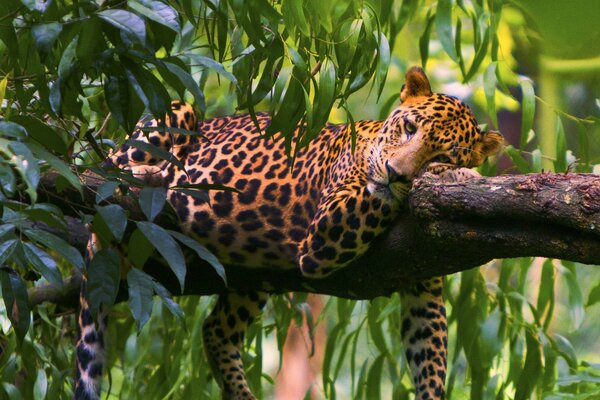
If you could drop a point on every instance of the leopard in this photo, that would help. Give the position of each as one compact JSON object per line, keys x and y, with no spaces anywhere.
{"x":317,"y":212}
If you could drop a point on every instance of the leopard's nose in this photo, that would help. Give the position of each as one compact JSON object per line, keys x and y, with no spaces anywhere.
{"x":394,"y":176}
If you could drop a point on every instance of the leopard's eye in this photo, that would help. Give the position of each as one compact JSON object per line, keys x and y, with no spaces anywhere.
{"x":410,"y":128}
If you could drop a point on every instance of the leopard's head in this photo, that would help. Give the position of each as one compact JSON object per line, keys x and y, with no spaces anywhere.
{"x":427,"y":129}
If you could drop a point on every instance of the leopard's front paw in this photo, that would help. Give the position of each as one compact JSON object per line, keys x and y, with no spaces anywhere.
{"x":458,"y":174}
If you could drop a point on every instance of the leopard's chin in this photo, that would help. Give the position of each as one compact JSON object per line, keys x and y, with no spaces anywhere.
{"x":399,"y":190}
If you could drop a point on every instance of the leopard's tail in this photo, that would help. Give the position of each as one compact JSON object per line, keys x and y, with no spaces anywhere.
{"x":90,"y":353}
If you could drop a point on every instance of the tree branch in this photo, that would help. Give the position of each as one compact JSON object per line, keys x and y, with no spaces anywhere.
{"x":448,"y":227}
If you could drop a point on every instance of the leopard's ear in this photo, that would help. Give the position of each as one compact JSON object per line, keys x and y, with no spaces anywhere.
{"x":491,"y":142}
{"x":416,"y":84}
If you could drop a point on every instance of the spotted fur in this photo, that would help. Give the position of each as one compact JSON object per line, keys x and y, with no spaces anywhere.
{"x":319,"y":215}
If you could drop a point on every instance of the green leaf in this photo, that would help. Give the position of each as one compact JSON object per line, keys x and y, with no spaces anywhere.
{"x":383,"y":63}
{"x":36,"y":5}
{"x":104,"y":277}
{"x":528,"y":113}
{"x":152,"y":201}
{"x":45,"y":35}
{"x":158,"y":12}
{"x":116,"y":90}
{"x":7,"y":179}
{"x":150,"y":90}
{"x":167,"y":300}
{"x":560,"y":165}
{"x":515,"y":155}
{"x":49,"y":137}
{"x":212,"y":64}
{"x":40,"y":387}
{"x":293,"y":16}
{"x":67,"y":61}
{"x":566,"y":350}
{"x":143,"y":249}
{"x":489,"y":87}
{"x":12,"y":130}
{"x":106,"y":190}
{"x":155,"y":151}
{"x":546,"y":293}
{"x":115,"y":218}
{"x":202,"y":252}
{"x":575,"y":296}
{"x":141,"y":290}
{"x":126,"y":21}
{"x":189,"y":82}
{"x":6,"y":249}
{"x":167,"y":247}
{"x":54,"y":243}
{"x":531,"y":369}
{"x":374,"y":378}
{"x":16,"y":301}
{"x":424,"y":40}
{"x":57,"y":164}
{"x":43,"y":263}
{"x":27,"y":166}
{"x":593,"y":297}
{"x":443,"y":24}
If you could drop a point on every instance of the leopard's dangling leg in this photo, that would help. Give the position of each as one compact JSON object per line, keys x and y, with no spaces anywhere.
{"x":224,"y":330}
{"x":90,"y":340}
{"x":424,"y":337}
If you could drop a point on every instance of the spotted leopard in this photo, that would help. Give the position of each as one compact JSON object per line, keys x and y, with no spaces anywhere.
{"x":318,"y":216}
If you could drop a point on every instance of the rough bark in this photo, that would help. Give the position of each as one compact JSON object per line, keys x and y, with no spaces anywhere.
{"x":448,"y":227}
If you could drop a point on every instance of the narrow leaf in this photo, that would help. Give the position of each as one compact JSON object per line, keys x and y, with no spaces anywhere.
{"x":16,"y":301}
{"x":167,"y":247}
{"x":104,"y":276}
{"x":54,"y":243}
{"x":126,"y":21}
{"x":43,"y":263}
{"x":202,"y":252}
{"x":140,"y":296}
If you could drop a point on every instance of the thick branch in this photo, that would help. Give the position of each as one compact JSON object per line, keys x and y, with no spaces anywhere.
{"x":449,"y":227}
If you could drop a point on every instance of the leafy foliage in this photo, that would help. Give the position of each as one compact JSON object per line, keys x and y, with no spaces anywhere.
{"x":76,"y":76}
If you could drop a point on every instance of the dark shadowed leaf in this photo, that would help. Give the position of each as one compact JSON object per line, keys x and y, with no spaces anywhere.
{"x":167,"y":247}
{"x":12,"y":130}
{"x":167,"y":300}
{"x":6,"y":249}
{"x":42,"y":263}
{"x":141,"y":290}
{"x":106,"y":190}
{"x":16,"y":301}
{"x":158,"y":12}
{"x":202,"y":252}
{"x":115,"y":219}
{"x":125,"y":21}
{"x":152,"y":201}
{"x":104,"y":277}
{"x":54,"y":243}
{"x":45,"y":35}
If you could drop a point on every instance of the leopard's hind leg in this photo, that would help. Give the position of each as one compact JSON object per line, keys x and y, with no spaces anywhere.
{"x":224,"y":330}
{"x":425,"y":338}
